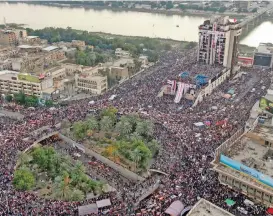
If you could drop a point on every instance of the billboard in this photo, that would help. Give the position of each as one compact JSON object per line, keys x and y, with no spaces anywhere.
{"x":266,"y":105}
{"x":28,"y":78}
{"x":246,"y":170}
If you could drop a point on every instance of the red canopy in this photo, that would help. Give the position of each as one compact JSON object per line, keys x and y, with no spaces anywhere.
{"x":270,"y":211}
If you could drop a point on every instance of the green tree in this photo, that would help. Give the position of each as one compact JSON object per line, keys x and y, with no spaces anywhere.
{"x":254,"y":10}
{"x":76,"y":195}
{"x":79,"y":130}
{"x":23,"y":158}
{"x":20,"y":98}
{"x":23,"y":179}
{"x":124,"y":127}
{"x":92,"y":124}
{"x":169,"y":5}
{"x":153,"y":146}
{"x":49,"y":103}
{"x":111,"y":112}
{"x":31,"y":101}
{"x":8,"y":98}
{"x":222,"y":9}
{"x":106,"y":123}
{"x":145,"y":128}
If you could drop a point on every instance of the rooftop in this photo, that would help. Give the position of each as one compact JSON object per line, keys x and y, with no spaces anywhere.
{"x":25,"y":46}
{"x":7,"y":74}
{"x":32,"y":37}
{"x":206,"y":208}
{"x":94,"y":78}
{"x":265,"y":48}
{"x":50,"y":48}
{"x":253,"y":154}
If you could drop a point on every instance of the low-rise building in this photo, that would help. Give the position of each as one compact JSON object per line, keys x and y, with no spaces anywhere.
{"x":122,"y":53}
{"x":15,"y":82}
{"x":78,"y":44}
{"x":119,"y":72}
{"x":8,"y":38}
{"x":206,"y":208}
{"x":143,"y":59}
{"x":56,"y":73}
{"x":244,"y":162}
{"x":93,"y":84}
{"x":6,"y":65}
{"x":263,"y":55}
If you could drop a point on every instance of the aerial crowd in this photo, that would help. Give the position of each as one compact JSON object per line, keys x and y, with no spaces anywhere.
{"x":186,"y":150}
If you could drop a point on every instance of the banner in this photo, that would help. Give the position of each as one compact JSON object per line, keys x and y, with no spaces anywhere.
{"x":266,"y":105}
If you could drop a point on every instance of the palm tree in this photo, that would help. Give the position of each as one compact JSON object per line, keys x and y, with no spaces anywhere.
{"x":115,"y":154}
{"x":153,"y":146}
{"x":135,"y":156}
{"x":124,"y":128}
{"x":106,"y":123}
{"x":76,"y":195}
{"x":136,"y":136}
{"x":92,"y":124}
{"x":145,"y":128}
{"x":23,"y":158}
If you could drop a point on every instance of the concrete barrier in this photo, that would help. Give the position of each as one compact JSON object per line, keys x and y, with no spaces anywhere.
{"x":123,"y":171}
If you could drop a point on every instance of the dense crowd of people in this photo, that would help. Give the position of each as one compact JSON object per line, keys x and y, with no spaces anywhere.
{"x":186,"y":150}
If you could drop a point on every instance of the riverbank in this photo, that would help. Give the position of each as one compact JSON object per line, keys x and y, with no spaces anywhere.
{"x":154,"y":11}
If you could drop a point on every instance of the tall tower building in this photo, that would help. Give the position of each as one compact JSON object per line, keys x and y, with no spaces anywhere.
{"x":218,"y":40}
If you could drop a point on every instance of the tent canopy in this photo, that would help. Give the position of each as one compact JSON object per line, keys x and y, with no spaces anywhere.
{"x":229,"y":202}
{"x":88,"y":209}
{"x":175,"y":208}
{"x":103,"y":203}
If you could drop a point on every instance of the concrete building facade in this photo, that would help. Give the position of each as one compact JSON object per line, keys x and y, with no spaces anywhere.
{"x":8,"y":38}
{"x":93,"y":84}
{"x":14,"y":82}
{"x":218,"y":40}
{"x":243,"y":163}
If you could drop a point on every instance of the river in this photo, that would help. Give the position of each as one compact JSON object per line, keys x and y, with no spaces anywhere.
{"x":129,"y":23}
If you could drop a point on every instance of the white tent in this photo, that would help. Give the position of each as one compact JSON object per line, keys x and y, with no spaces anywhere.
{"x":175,"y":208}
{"x":88,"y":209}
{"x":198,"y":124}
{"x":103,"y":203}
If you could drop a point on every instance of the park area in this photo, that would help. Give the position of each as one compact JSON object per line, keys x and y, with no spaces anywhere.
{"x":53,"y":175}
{"x":126,"y":140}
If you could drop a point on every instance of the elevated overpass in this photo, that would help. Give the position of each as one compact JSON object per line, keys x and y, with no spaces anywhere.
{"x":254,"y":17}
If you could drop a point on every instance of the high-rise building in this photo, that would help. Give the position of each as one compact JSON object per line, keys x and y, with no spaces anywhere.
{"x":218,"y":39}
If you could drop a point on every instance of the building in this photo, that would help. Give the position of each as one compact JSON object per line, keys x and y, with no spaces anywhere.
{"x":263,"y":55}
{"x":8,"y":38}
{"x":5,"y":65}
{"x":218,"y":40}
{"x":122,"y":53}
{"x":78,"y":44}
{"x":93,"y":84}
{"x":143,"y":59}
{"x":56,"y":73}
{"x":206,"y":208}
{"x":244,"y":162}
{"x":14,"y":82}
{"x":119,"y":72}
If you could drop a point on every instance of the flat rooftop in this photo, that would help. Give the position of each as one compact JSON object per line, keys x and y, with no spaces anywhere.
{"x":251,"y":152}
{"x":7,"y":75}
{"x":50,"y":48}
{"x":206,"y":208}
